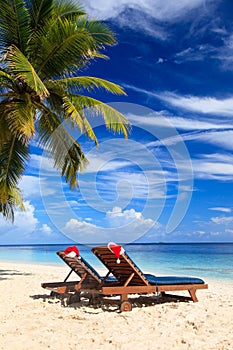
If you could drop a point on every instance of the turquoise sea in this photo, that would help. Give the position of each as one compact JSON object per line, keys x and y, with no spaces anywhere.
{"x":206,"y":260}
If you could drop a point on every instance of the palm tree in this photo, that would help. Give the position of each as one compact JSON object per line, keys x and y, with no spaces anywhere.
{"x":44,"y":44}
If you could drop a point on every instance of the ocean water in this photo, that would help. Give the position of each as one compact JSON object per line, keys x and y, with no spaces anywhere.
{"x":203,"y":260}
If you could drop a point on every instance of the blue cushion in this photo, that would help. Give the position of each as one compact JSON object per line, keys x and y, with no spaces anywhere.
{"x":170,"y":280}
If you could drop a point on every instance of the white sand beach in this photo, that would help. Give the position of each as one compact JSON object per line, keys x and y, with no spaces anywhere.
{"x":32,"y":320}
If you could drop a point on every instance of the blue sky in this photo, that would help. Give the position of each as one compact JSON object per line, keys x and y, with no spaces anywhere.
{"x":171,"y":181}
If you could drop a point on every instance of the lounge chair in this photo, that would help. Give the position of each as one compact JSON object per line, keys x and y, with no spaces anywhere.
{"x":133,"y":281}
{"x":89,"y":279}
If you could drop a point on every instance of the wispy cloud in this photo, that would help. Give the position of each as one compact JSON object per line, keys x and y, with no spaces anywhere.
{"x":225,"y":53}
{"x":167,"y":120}
{"x":196,"y":53}
{"x":222,"y":209}
{"x":225,"y":220}
{"x":205,"y":105}
{"x":213,"y":166}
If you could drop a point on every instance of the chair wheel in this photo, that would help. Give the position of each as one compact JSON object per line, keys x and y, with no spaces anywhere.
{"x":125,"y":306}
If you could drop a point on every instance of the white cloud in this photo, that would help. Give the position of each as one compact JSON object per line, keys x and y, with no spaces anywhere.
{"x":25,"y":223}
{"x":222,"y":209}
{"x":168,"y":10}
{"x":197,"y":53}
{"x":118,"y":218}
{"x":30,"y":186}
{"x":46,"y":229}
{"x":165,"y":120}
{"x":229,"y":231}
{"x":223,"y":139}
{"x":225,"y":53}
{"x":74,"y":226}
{"x":123,"y":226}
{"x":213,"y":166}
{"x":101,"y":161}
{"x":151,"y":15}
{"x":215,"y":233}
{"x":26,"y":228}
{"x":34,"y":187}
{"x":205,"y":105}
{"x":41,"y":163}
{"x":200,"y":232}
{"x":225,"y":220}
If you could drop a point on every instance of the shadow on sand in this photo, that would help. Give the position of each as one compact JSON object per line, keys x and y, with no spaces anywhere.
{"x":107,"y":303}
{"x":6,"y":274}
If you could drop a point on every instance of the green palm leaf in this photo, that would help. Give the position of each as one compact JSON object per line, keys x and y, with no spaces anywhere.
{"x":100,"y":32}
{"x":19,"y":115}
{"x":68,"y":9}
{"x":66,"y":152}
{"x":14,"y":200}
{"x":14,"y":153}
{"x":79,"y":119}
{"x":89,"y":83}
{"x":6,"y":80}
{"x":114,"y":120}
{"x":63,"y":46}
{"x":24,"y":71}
{"x":40,"y":11}
{"x":14,"y":24}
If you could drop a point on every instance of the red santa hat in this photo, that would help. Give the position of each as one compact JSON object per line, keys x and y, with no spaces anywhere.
{"x":116,"y":249}
{"x":72,"y":251}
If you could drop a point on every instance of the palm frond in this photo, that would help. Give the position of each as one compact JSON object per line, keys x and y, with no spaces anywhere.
{"x":68,"y":9}
{"x":63,"y":46}
{"x":90,"y":83}
{"x":40,"y":11}
{"x":79,"y":119}
{"x":6,"y":80}
{"x":66,"y":152}
{"x":19,"y":115}
{"x":14,"y":154}
{"x":14,"y":24}
{"x":5,"y":133}
{"x":100,"y":32}
{"x":8,"y":206}
{"x":114,"y":120}
{"x":24,"y":71}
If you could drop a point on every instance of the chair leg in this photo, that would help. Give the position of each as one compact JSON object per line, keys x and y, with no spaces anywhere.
{"x":193,"y":296}
{"x":95,"y":300}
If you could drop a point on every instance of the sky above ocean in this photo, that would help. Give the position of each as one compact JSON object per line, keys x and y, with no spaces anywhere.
{"x":171,"y":181}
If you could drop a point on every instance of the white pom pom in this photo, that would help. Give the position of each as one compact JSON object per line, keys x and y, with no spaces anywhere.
{"x":118,"y":261}
{"x":71,"y":254}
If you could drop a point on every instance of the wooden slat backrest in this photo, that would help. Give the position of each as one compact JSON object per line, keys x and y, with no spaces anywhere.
{"x":80,"y":267}
{"x":123,"y":270}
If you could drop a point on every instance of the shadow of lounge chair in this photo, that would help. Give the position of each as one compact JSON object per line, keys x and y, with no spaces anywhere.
{"x":133,"y":281}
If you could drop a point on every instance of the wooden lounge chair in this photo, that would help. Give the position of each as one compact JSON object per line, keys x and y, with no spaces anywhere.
{"x":89,"y":280}
{"x":133,"y":281}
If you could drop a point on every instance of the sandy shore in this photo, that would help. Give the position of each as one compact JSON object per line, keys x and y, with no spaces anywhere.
{"x":31,"y":320}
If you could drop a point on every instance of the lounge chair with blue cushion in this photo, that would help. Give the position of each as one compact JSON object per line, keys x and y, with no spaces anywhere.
{"x":133,"y":281}
{"x":89,"y":280}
